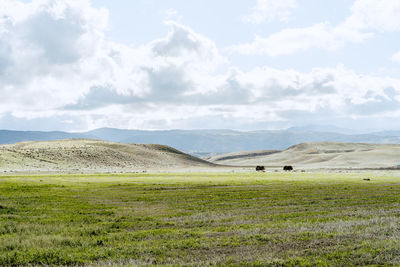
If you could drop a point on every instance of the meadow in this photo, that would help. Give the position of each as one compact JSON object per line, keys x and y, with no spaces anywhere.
{"x":253,"y":219}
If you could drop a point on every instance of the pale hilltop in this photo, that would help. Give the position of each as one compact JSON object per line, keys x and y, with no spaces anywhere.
{"x":83,"y":155}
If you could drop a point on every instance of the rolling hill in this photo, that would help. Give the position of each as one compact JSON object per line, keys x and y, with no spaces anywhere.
{"x":83,"y":155}
{"x":319,"y":155}
{"x":211,"y":142}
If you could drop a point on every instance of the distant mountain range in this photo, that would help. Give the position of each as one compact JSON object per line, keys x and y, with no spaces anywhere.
{"x":209,"y":142}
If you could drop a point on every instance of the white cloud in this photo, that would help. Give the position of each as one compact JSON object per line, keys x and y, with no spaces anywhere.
{"x":381,"y":15}
{"x":257,"y":96}
{"x":172,"y":82}
{"x":267,"y":10}
{"x":288,"y":41}
{"x":367,"y":16}
{"x":45,"y":49}
{"x":172,"y":14}
{"x":54,"y":59}
{"x":335,"y":89}
{"x":396,"y":57}
{"x":182,"y":63}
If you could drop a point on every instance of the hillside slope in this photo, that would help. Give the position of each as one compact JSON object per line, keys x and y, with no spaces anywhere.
{"x":239,"y":156}
{"x":324,"y":155}
{"x":91,"y":155}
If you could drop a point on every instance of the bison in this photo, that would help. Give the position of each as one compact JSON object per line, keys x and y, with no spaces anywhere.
{"x":260,"y":168}
{"x":288,"y":168}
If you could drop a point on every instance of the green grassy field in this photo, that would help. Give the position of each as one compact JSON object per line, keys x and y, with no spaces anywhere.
{"x":198,"y":219}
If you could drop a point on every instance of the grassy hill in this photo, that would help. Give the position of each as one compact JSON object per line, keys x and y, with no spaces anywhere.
{"x":321,"y":155}
{"x":91,"y":155}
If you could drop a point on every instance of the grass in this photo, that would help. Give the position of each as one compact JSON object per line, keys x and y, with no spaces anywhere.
{"x":279,"y":219}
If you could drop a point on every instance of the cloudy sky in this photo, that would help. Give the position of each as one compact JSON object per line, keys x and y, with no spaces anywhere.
{"x":171,"y":64}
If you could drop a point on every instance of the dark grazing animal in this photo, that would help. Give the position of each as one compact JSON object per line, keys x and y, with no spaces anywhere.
{"x":288,"y":168}
{"x":260,"y":168}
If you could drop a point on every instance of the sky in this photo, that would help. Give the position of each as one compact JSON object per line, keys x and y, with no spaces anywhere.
{"x":77,"y":65}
